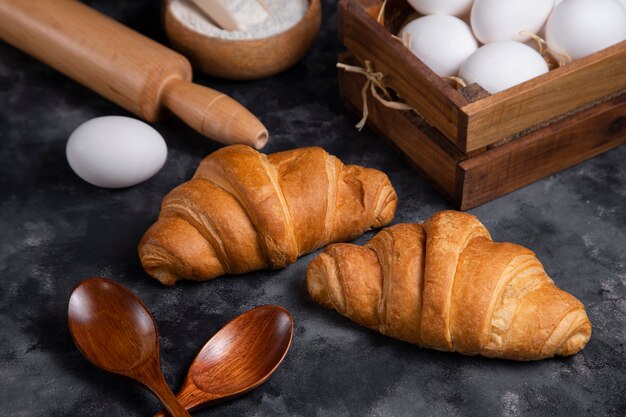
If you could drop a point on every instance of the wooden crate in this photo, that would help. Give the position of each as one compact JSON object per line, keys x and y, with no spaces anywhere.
{"x":476,"y":147}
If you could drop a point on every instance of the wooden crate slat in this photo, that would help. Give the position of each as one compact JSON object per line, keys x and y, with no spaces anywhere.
{"x":428,"y":93}
{"x":469,"y":181}
{"x":475,"y":147}
{"x":543,"y":98}
{"x":541,"y":153}
{"x":472,"y":126}
{"x":435,"y":163}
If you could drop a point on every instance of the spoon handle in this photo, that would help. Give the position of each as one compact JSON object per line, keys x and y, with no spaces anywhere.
{"x":167,"y":398}
{"x":192,"y":398}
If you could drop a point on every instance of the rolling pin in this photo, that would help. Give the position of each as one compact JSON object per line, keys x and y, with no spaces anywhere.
{"x":124,"y":66}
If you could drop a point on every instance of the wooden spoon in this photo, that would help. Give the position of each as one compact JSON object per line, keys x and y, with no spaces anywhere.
{"x":115,"y":331}
{"x":239,"y":358}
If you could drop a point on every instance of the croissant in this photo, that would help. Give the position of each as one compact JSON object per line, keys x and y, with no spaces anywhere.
{"x":446,"y":285}
{"x":244,"y":211}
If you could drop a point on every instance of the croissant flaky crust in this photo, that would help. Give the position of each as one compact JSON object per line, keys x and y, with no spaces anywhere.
{"x":244,"y":211}
{"x":446,"y":285}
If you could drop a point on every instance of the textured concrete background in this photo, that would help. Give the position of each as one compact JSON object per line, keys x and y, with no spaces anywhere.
{"x":56,"y":230}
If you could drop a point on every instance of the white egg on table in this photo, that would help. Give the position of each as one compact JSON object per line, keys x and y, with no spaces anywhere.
{"x":451,"y":7}
{"x":582,"y":27}
{"x":442,"y":42}
{"x":500,"y":65}
{"x":506,"y":20}
{"x":115,"y":151}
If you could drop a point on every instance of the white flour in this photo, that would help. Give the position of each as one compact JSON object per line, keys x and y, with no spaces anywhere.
{"x":283,"y":15}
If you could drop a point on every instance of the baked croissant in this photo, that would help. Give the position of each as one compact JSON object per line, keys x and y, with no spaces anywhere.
{"x":244,"y":211}
{"x":446,"y":285}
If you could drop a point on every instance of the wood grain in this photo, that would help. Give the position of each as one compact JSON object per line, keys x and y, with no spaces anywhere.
{"x":543,"y":98}
{"x":469,"y":180}
{"x":474,"y":121}
{"x":213,"y":114}
{"x":541,"y":153}
{"x":115,"y":331}
{"x":122,"y":65}
{"x":434,"y":157}
{"x":238,"y":358}
{"x":418,"y":85}
{"x":244,"y":59}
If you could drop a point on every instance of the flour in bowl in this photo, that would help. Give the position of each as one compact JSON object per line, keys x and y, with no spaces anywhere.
{"x":283,"y":15}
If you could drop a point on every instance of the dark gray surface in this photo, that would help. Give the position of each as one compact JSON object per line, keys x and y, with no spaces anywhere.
{"x":57,"y":229}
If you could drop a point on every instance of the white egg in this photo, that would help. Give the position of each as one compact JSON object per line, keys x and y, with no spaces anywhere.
{"x":582,"y":27}
{"x":451,"y":7}
{"x":115,"y":151}
{"x":504,"y":20}
{"x":442,"y":42}
{"x":500,"y":65}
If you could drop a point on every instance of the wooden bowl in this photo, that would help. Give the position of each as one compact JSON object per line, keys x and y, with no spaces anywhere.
{"x":244,"y":59}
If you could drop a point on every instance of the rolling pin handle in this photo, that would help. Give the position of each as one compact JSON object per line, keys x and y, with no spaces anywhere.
{"x":213,"y":114}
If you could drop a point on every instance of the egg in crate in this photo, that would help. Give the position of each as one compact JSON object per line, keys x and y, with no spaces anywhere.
{"x":451,"y":7}
{"x":508,"y":20}
{"x":581,"y":27}
{"x":500,"y":65}
{"x":442,"y":42}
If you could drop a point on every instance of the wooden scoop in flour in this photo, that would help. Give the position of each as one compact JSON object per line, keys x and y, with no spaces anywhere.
{"x":124,"y":66}
{"x":229,"y":15}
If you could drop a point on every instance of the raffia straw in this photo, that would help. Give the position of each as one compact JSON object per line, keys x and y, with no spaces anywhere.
{"x":460,"y":82}
{"x":562,"y":57}
{"x":381,"y":13}
{"x":541,"y":42}
{"x":404,"y":40}
{"x":373,"y":83}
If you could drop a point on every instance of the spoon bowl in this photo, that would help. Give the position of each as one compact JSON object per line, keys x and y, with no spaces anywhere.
{"x":238,"y":358}
{"x":115,"y":331}
{"x":91,"y":315}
